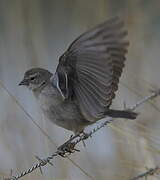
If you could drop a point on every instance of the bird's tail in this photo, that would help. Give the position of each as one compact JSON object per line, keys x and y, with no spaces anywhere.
{"x":121,"y":114}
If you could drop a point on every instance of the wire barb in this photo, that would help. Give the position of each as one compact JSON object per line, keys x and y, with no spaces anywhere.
{"x":69,"y":146}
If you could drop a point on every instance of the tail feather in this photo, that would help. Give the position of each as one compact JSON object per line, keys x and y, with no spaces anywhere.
{"x":121,"y":114}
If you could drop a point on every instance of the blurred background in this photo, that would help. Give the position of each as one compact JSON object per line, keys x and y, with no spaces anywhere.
{"x":34,"y":33}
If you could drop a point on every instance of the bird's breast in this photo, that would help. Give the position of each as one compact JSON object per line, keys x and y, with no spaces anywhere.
{"x":62,"y":113}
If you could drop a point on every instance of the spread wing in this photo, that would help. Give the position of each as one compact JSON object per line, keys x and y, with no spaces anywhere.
{"x":90,"y":69}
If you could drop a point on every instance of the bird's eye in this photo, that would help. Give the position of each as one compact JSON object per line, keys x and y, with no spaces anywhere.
{"x":32,"y":78}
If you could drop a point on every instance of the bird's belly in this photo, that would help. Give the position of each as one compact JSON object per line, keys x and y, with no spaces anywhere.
{"x":64,"y":114}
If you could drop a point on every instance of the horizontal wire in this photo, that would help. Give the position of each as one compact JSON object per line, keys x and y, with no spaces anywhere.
{"x":69,"y":146}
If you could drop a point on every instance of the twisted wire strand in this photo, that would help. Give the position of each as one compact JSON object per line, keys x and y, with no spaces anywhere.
{"x":69,"y":147}
{"x":150,"y":172}
{"x":146,"y":98}
{"x":40,"y":128}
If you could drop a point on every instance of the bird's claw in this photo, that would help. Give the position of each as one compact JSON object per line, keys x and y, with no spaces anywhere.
{"x":67,"y":148}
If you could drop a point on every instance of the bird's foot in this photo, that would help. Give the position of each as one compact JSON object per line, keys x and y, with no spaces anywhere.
{"x":67,"y":149}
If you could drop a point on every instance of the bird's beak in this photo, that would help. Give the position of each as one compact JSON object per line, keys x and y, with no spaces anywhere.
{"x":24,"y":82}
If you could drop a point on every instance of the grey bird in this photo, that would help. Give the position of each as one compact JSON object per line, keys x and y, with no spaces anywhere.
{"x":86,"y":79}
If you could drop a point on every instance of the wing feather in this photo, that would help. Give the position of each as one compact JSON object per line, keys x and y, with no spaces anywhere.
{"x":91,"y":67}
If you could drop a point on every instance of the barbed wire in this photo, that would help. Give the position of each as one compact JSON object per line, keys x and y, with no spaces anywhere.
{"x":149,"y":172}
{"x":41,"y":129}
{"x":69,"y":146}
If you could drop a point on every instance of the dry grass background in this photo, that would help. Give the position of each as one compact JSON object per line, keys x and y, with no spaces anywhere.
{"x":35,"y":33}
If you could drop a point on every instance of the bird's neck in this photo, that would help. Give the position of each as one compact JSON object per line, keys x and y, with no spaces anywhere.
{"x":39,"y":90}
{"x":47,"y":90}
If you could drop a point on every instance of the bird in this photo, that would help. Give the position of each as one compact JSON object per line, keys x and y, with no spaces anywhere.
{"x":81,"y":90}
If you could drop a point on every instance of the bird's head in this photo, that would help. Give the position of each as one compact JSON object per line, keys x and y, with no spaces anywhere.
{"x":36,"y":78}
